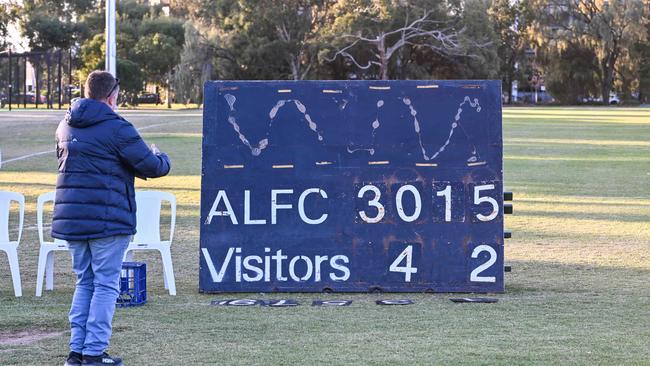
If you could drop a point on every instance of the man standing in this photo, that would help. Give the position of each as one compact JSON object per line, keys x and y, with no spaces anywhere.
{"x":99,"y":155}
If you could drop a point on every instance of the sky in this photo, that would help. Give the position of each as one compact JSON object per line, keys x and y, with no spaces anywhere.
{"x":19,"y":43}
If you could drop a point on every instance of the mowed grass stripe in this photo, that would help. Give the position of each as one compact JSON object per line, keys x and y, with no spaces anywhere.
{"x":516,"y":140}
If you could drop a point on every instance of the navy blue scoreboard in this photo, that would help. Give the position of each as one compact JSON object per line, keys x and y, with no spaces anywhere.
{"x":352,"y":186}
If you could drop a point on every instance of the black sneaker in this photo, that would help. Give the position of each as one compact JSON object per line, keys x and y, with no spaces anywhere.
{"x":104,"y":359}
{"x":74,"y":359}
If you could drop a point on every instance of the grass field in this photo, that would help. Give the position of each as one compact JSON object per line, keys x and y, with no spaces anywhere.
{"x":579,"y":292}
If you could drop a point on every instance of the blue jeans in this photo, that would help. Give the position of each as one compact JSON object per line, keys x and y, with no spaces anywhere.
{"x":97,"y":264}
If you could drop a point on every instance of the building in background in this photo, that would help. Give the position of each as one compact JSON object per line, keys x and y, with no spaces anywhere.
{"x":164,"y":3}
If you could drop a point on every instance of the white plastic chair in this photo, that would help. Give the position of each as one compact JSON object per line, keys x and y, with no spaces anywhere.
{"x":149,"y":204}
{"x":11,"y":247}
{"x":47,"y":249}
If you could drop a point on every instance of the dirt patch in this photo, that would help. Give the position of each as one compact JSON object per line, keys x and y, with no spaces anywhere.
{"x":27,"y":337}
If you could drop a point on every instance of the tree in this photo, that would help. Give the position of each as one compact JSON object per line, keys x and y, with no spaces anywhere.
{"x":157,"y":49}
{"x":226,"y":33}
{"x":54,"y":23}
{"x":608,"y":28}
{"x":293,"y":39}
{"x":131,"y":79}
{"x":510,"y":22}
{"x":571,"y":74}
{"x":197,"y":64}
{"x":481,"y":58}
{"x":293,"y":27}
{"x":92,"y":58}
{"x":247,"y":39}
{"x":380,"y":35}
{"x":643,"y":61}
{"x":148,"y":45}
{"x":8,"y":14}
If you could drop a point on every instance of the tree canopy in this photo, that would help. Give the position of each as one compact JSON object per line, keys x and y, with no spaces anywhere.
{"x":577,"y":48}
{"x":606,"y":28}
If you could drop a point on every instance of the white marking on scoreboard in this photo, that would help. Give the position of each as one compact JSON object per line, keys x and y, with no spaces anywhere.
{"x":477,"y":163}
{"x":426,"y":164}
{"x":231,"y":99}
{"x":324,"y":163}
{"x":417,"y":125}
{"x":332,"y":91}
{"x":256,"y":150}
{"x":434,"y":86}
{"x":381,"y":162}
{"x":233,"y":166}
{"x":379,"y":87}
{"x":264,"y":143}
{"x":286,"y":166}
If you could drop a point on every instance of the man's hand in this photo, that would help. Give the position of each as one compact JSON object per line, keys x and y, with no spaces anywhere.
{"x":154,"y":149}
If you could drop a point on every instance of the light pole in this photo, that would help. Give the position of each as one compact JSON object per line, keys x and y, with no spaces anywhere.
{"x":11,"y":81}
{"x":110,"y":37}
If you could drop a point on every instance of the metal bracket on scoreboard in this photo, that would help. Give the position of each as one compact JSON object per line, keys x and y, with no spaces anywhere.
{"x":507,"y":209}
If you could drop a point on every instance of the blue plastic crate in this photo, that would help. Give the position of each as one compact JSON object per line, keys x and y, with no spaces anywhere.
{"x":133,"y":284}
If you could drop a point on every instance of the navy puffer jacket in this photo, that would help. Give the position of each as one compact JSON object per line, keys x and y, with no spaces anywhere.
{"x":99,"y":155}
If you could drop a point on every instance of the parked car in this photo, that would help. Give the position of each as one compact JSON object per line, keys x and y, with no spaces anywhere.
{"x":74,"y":91}
{"x":29,"y":97}
{"x":149,"y":98}
{"x":613,"y":99}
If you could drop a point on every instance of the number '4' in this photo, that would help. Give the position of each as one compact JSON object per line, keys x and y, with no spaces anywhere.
{"x":408,"y":269}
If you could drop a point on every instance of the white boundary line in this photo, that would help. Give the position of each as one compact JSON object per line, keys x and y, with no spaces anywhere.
{"x":156,"y":125}
{"x":51,"y":151}
{"x":28,"y":156}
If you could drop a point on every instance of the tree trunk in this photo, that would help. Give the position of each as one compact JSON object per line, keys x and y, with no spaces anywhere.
{"x":295,"y":67}
{"x":606,"y":86}
{"x":607,"y":65}
{"x":383,"y":61}
{"x":384,"y":69}
{"x":510,"y":75}
{"x":400,"y":65}
{"x":509,"y":86}
{"x":206,"y":74}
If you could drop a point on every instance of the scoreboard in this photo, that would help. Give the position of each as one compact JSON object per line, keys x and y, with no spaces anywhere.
{"x":341,"y":186}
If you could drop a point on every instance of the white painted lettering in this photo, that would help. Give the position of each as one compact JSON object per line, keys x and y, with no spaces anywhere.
{"x":400,"y":207}
{"x":275,"y":206}
{"x":238,"y":265}
{"x":278,"y":257}
{"x":373,"y":203}
{"x":247,"y":211}
{"x":292,"y":268}
{"x":267,"y":266}
{"x":217,"y":276}
{"x":319,"y":259}
{"x":221,"y":195}
{"x":249,"y":267}
{"x":301,"y":206}
{"x":339,"y":267}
